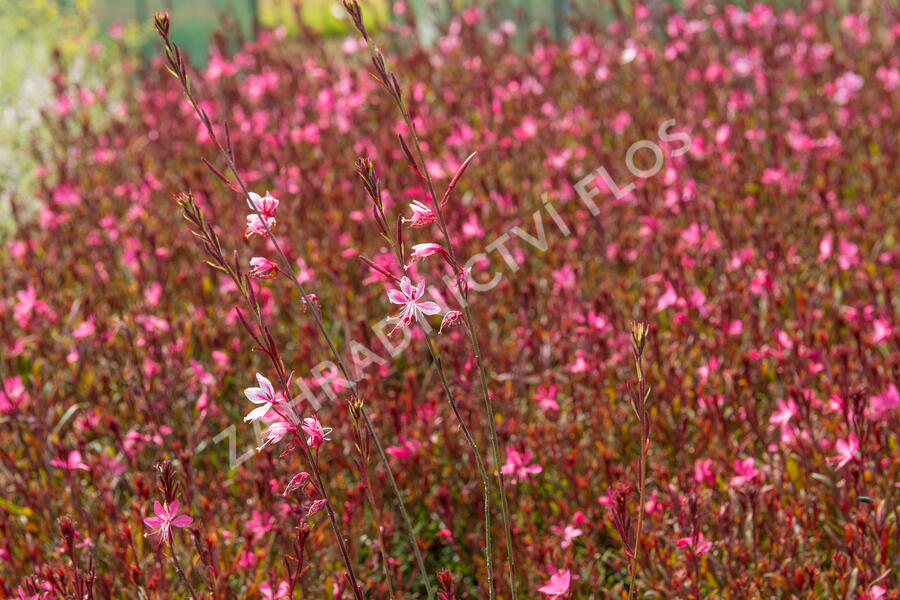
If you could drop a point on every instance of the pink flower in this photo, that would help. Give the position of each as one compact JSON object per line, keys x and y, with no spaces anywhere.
{"x":546,"y":398}
{"x":166,"y":517}
{"x":881,"y":330}
{"x":85,"y":329}
{"x":568,"y":534}
{"x":269,"y":594}
{"x":844,"y":88}
{"x":266,"y":206}
{"x":517,"y":465}
{"x":413,"y":305}
{"x":274,"y":433}
{"x":263,"y":395}
{"x":451,"y":319}
{"x":701,"y":546}
{"x":703,"y":471}
{"x":260,"y":524}
{"x":558,"y":585}
{"x":72,"y":463}
{"x":263,"y":268}
{"x":427,"y":249}
{"x":846,"y":450}
{"x":297,"y":482}
{"x":786,"y":411}
{"x":669,"y":298}
{"x":315,"y":431}
{"x":876,"y":592}
{"x":746,"y":472}
{"x":880,"y":406}
{"x":422,"y":215}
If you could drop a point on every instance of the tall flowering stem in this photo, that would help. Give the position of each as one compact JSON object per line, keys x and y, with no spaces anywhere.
{"x":638,"y":394}
{"x":389,"y":82}
{"x":178,"y":69}
{"x":372,"y":184}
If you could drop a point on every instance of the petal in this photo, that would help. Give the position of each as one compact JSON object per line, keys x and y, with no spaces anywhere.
{"x":406,"y":287}
{"x":256,"y":395}
{"x":397,"y":297}
{"x":159,"y":510}
{"x":173,"y":508}
{"x":258,"y":412}
{"x":153,"y":522}
{"x":420,"y":289}
{"x":182,"y":521}
{"x":266,"y":385}
{"x":428,"y":307}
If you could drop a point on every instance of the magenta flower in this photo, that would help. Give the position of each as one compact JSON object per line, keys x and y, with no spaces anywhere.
{"x":317,"y":434}
{"x":746,"y":472}
{"x":268,"y":593}
{"x":422,"y":215}
{"x":274,"y":433}
{"x":568,"y":533}
{"x":701,"y":546}
{"x":517,"y":465}
{"x":166,"y":517}
{"x":262,"y":268}
{"x":451,"y":319}
{"x":72,"y":462}
{"x":846,"y":450}
{"x":266,"y":206}
{"x":427,"y":249}
{"x":557,"y":585}
{"x":263,"y":395}
{"x":413,"y":305}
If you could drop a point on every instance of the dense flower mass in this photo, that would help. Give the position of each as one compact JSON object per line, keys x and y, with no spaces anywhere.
{"x":725,"y":175}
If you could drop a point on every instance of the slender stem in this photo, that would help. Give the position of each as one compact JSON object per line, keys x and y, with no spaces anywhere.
{"x":488,"y":403}
{"x":482,"y":471}
{"x":337,"y":357}
{"x":485,"y":481}
{"x":178,"y":568}
{"x":640,"y":519}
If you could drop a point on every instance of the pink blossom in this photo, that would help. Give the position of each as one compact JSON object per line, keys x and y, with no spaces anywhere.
{"x":881,"y":330}
{"x":876,"y":592}
{"x":517,"y":465}
{"x":274,"y":594}
{"x":85,"y":329}
{"x":844,"y":88}
{"x":703,"y":471}
{"x":166,"y":517}
{"x":568,"y":533}
{"x":451,"y":319}
{"x":73,"y":462}
{"x":558,"y":585}
{"x":881,"y":405}
{"x":422,"y":215}
{"x":264,"y":395}
{"x":746,"y":472}
{"x":786,"y":411}
{"x":669,"y":298}
{"x":425,"y":250}
{"x":700,"y":546}
{"x":267,"y":207}
{"x":413,"y":305}
{"x":317,"y":434}
{"x":297,"y":482}
{"x":259,"y":525}
{"x":275,"y":432}
{"x":262,"y":268}
{"x":546,"y":398}
{"x":846,"y":450}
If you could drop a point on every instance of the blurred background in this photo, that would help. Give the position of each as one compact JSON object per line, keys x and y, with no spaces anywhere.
{"x":84,"y":38}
